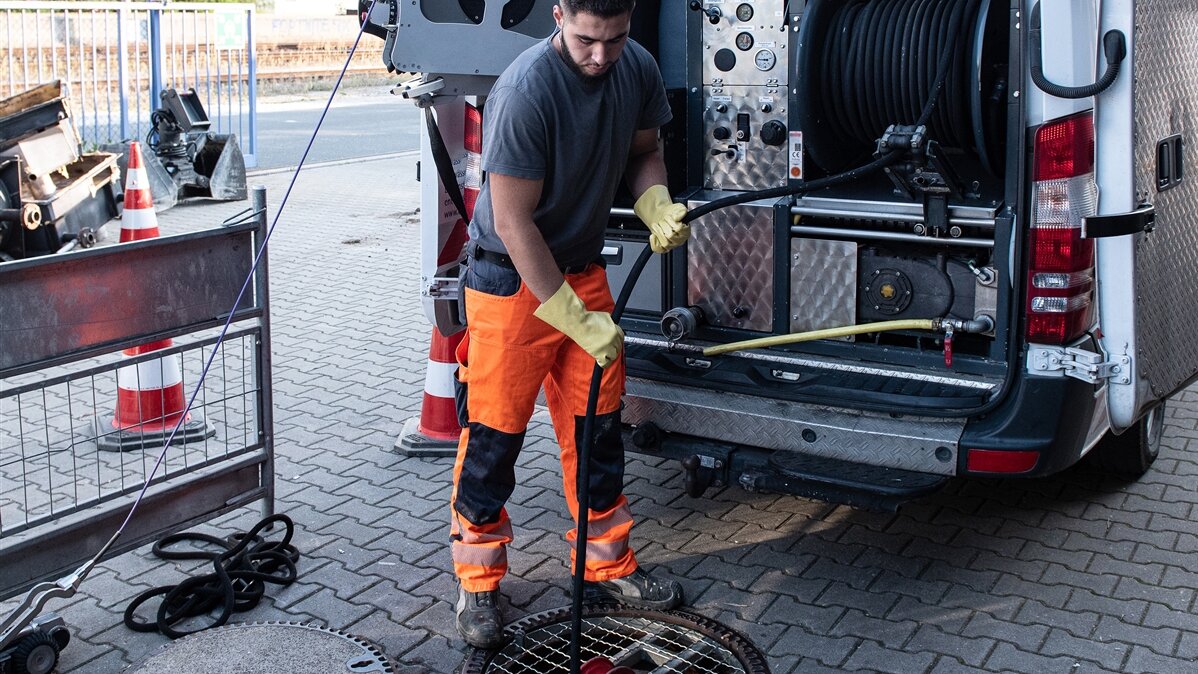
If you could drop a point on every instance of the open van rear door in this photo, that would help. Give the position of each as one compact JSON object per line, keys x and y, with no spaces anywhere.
{"x":1147,"y":223}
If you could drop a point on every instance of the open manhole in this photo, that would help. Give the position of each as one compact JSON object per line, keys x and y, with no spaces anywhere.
{"x":647,"y":642}
{"x":266,"y":648}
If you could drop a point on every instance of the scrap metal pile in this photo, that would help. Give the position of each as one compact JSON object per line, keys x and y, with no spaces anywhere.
{"x":53,"y":197}
{"x":189,"y":158}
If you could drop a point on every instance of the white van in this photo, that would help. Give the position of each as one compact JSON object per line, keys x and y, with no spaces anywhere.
{"x":1038,"y":225}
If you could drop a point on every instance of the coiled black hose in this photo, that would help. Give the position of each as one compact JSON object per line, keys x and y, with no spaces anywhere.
{"x":873,"y":63}
{"x":242,"y":564}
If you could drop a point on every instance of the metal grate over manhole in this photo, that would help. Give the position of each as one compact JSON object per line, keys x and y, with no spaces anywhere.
{"x":648,"y":642}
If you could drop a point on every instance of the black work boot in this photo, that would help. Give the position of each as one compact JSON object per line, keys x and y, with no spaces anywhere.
{"x":639,"y":589}
{"x":479,"y":621}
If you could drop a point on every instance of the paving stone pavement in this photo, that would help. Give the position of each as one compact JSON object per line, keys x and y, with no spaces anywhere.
{"x":1074,"y":573}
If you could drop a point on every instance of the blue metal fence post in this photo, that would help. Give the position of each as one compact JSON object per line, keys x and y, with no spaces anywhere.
{"x":251,"y":158}
{"x":155,"y":57}
{"x":122,"y":65}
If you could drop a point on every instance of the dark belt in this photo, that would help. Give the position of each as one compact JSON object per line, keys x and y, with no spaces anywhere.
{"x":502,"y":260}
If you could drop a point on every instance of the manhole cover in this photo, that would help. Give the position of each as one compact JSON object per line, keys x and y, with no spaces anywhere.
{"x":266,"y":648}
{"x":660,"y":642}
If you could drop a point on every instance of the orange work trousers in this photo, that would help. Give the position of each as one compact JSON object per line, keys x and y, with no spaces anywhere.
{"x":507,"y":356}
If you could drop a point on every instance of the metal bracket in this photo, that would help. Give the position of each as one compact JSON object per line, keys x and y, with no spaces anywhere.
{"x":442,"y":288}
{"x":418,"y":90}
{"x":1079,"y":364}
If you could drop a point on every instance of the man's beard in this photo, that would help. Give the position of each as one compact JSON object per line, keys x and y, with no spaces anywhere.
{"x":573,"y":65}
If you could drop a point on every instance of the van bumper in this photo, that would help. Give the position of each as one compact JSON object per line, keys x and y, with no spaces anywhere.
{"x":1048,"y":416}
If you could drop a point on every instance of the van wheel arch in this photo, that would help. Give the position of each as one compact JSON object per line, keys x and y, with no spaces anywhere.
{"x":1132,"y":452}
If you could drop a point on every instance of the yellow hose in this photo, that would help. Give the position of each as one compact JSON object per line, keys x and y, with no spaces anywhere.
{"x":829,"y":333}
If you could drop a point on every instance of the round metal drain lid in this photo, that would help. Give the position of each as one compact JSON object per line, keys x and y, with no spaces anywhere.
{"x":266,"y":648}
{"x":661,"y":642}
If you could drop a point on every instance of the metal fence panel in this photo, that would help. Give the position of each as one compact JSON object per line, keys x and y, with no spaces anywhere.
{"x":62,"y":307}
{"x":66,"y":479}
{"x":117,"y":57}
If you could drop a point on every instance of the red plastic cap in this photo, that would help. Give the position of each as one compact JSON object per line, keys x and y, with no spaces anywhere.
{"x":596,"y":666}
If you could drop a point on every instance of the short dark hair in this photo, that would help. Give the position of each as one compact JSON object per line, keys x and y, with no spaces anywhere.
{"x":603,"y":8}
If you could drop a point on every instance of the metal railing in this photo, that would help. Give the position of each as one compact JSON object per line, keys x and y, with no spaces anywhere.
{"x":117,"y":58}
{"x":69,"y":471}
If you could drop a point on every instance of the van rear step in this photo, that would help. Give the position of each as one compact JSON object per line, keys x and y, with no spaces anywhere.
{"x":838,"y":481}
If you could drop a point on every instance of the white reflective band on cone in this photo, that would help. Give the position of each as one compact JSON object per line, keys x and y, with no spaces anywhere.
{"x":438,"y":379}
{"x":137,"y":179}
{"x":139,"y":219}
{"x":152,"y":374}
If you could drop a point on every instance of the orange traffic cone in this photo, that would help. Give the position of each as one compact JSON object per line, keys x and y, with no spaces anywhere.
{"x":150,"y":396}
{"x":435,"y":432}
{"x":138,"y":221}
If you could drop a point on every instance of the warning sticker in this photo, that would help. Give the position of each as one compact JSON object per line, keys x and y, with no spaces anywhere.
{"x":796,"y":155}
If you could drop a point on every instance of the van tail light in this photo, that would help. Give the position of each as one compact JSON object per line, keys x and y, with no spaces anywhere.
{"x":474,"y":157}
{"x":1060,"y":281}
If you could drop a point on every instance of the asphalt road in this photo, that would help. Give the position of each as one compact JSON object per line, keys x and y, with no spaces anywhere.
{"x":361,"y":122}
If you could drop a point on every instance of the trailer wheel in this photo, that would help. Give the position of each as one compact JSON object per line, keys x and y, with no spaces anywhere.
{"x":1132,"y":452}
{"x":36,"y":653}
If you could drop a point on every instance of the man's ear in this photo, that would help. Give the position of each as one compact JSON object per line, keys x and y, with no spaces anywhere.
{"x":558,"y":16}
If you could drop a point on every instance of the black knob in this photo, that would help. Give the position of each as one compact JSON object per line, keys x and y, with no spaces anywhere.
{"x":722,"y":133}
{"x":696,"y":5}
{"x":773,"y":132}
{"x":721,"y":108}
{"x":725,"y":60}
{"x":767,"y":108}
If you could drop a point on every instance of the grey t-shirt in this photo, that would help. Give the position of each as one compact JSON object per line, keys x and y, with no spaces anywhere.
{"x":543,"y":122}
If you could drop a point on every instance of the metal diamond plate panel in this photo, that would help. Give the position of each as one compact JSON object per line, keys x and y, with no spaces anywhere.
{"x":743,"y":163}
{"x":752,"y":52}
{"x":1166,"y":86}
{"x":823,"y":284}
{"x":730,"y":267}
{"x":909,"y":443}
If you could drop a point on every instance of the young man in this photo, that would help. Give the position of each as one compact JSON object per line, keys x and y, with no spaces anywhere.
{"x":562,"y":125}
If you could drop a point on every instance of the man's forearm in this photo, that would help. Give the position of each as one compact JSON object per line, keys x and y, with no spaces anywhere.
{"x":644,"y":171}
{"x":532,"y":258}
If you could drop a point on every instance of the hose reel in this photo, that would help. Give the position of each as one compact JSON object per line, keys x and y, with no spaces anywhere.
{"x":864,"y":65}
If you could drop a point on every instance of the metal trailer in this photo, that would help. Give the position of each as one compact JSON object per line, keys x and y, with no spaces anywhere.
{"x":67,"y":319}
{"x":1048,"y":221}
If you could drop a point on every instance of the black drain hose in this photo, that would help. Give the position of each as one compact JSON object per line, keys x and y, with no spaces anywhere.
{"x":245,"y":563}
{"x":588,"y":428}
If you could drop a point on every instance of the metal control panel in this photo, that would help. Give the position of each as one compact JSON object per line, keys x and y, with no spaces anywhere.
{"x":745,"y":137}
{"x":744,"y":87}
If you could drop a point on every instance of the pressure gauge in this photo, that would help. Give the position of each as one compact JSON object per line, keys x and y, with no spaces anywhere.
{"x":744,"y":12}
{"x":744,"y":41}
{"x":765,"y":60}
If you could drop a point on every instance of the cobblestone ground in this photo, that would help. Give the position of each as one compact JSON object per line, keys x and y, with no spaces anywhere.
{"x":1076,"y":573}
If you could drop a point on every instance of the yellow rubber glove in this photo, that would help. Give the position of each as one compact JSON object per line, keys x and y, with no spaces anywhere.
{"x":663,"y":217}
{"x":594,"y":331}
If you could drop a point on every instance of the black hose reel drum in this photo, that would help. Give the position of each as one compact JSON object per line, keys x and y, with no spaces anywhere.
{"x":863,"y":65}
